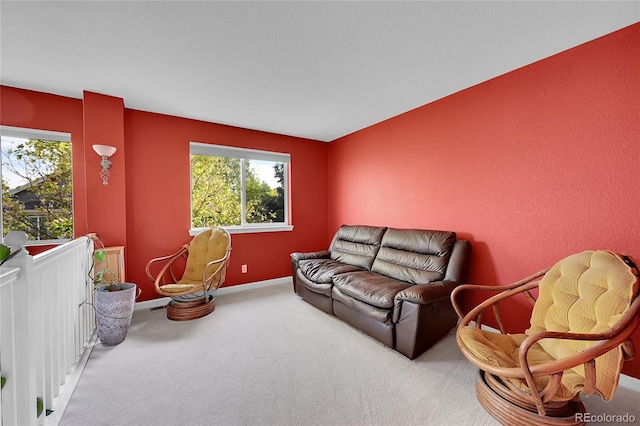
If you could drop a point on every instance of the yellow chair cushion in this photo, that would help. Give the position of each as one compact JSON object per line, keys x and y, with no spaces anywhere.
{"x":205,"y":247}
{"x":502,"y":350}
{"x":584,"y":293}
{"x":177,"y":288}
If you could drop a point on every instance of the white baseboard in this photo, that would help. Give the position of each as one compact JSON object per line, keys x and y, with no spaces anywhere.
{"x":161,"y":302}
{"x":257,"y":284}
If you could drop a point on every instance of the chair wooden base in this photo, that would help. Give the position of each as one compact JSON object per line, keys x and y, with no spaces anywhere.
{"x":184,"y":311}
{"x":497,"y":403}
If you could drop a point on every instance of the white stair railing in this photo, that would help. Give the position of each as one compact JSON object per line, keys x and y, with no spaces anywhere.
{"x":47,"y":330}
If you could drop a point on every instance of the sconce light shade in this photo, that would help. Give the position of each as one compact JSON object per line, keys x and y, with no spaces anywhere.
{"x":104,"y":150}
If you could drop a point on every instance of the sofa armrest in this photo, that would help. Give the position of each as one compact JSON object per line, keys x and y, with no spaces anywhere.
{"x":459,"y":262}
{"x":422,"y":314}
{"x":426,"y":293}
{"x":297,"y":257}
{"x":324,"y":254}
{"x":422,"y":294}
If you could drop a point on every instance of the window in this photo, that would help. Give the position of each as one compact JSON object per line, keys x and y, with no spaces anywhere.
{"x":243,"y":190}
{"x":36,"y":183}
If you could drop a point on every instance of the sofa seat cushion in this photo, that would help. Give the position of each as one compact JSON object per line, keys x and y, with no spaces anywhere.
{"x":371,"y":288}
{"x":379,"y":314}
{"x":322,"y":270}
{"x":321,"y":288}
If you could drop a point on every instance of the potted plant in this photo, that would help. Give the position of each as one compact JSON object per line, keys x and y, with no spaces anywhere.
{"x":113,"y":301}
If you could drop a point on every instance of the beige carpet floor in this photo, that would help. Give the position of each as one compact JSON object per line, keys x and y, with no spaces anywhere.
{"x":266,"y":357}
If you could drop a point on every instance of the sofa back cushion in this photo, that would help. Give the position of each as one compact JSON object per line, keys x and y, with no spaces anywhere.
{"x":356,"y":245}
{"x":416,"y":256}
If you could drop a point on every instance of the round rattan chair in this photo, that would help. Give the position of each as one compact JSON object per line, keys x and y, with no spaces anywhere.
{"x":205,"y":261}
{"x":579,"y":336}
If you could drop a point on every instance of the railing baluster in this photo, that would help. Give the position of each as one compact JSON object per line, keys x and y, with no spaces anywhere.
{"x":17,"y":360}
{"x":46,"y":331}
{"x":38,"y":332}
{"x":8,"y":348}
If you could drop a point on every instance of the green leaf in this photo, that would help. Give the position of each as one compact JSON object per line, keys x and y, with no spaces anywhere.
{"x":40,"y":406}
{"x":4,"y":251}
{"x":99,"y":255}
{"x":3,"y":380}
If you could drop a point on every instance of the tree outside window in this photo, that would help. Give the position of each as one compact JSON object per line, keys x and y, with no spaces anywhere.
{"x":237,"y":191}
{"x":37,"y":188}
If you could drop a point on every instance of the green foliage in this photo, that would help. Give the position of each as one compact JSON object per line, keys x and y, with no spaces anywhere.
{"x":105,"y":276}
{"x":46,"y":166}
{"x":264,"y":204}
{"x":4,"y":252}
{"x":40,"y":408}
{"x":216,"y":193}
{"x":100,"y":255}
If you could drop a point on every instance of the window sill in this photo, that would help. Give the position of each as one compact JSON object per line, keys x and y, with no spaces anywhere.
{"x":248,"y":229}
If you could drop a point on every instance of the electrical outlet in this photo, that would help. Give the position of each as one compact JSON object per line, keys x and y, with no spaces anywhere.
{"x":244,"y":269}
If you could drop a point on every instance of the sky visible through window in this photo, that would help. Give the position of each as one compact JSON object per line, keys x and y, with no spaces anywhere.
{"x":264,"y":171}
{"x":11,"y":179}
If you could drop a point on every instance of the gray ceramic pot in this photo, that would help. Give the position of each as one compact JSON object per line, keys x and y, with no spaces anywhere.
{"x":114,"y":308}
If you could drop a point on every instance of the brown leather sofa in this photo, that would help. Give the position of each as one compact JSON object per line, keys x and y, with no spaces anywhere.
{"x":393,"y":284}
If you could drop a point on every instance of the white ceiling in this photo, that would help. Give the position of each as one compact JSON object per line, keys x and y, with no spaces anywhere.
{"x":318,"y":70}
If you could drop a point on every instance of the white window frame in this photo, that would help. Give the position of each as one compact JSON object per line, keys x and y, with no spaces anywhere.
{"x":200,"y":148}
{"x":25,"y":133}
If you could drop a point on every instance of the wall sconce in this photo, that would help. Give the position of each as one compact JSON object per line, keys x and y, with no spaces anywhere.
{"x":105,"y":151}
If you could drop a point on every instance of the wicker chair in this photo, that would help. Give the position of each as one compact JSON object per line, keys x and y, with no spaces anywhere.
{"x":205,"y":261}
{"x":579,"y":336}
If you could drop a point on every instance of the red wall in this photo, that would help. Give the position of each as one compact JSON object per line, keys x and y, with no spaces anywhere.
{"x":106,"y":204}
{"x":530,"y":166}
{"x":36,"y":110}
{"x":146,"y":206}
{"x":158,"y":194}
